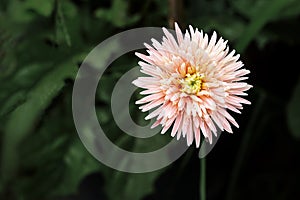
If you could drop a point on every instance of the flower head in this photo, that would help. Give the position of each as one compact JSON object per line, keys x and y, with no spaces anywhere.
{"x":192,"y":82}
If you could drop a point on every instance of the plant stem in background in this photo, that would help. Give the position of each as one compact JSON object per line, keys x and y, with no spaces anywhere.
{"x":175,"y":12}
{"x":203,"y":179}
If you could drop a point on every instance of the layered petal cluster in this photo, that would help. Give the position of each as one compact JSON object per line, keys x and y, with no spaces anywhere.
{"x":191,"y":83}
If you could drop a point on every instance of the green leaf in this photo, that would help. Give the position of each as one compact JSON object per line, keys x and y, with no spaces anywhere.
{"x":23,"y":119}
{"x":117,"y":14}
{"x":129,"y":185}
{"x":118,"y":184}
{"x":69,"y":9}
{"x":78,"y":163}
{"x":293,"y":112}
{"x":53,"y":153}
{"x":132,"y":186}
{"x":13,"y":102}
{"x":227,"y":25}
{"x":250,"y":9}
{"x":106,"y":85}
{"x":21,"y":11}
{"x":291,"y":10}
{"x":263,"y":16}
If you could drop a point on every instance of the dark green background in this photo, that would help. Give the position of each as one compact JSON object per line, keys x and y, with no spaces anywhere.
{"x":43,"y":42}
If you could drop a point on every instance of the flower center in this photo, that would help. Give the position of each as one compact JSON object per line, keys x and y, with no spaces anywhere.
{"x":192,"y":83}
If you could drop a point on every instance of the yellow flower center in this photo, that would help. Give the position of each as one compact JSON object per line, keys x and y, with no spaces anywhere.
{"x":192,"y":83}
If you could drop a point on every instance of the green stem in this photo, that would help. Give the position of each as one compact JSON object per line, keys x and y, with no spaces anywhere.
{"x":203,"y":179}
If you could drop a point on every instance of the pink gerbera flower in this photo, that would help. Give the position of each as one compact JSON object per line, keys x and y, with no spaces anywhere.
{"x":192,"y":84}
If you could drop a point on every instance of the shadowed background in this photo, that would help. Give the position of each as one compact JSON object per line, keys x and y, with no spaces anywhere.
{"x":42,"y":44}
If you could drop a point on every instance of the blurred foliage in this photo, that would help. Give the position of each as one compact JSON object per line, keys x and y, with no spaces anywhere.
{"x":293,"y":112}
{"x":117,"y":14}
{"x":241,"y":21}
{"x":42,"y":44}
